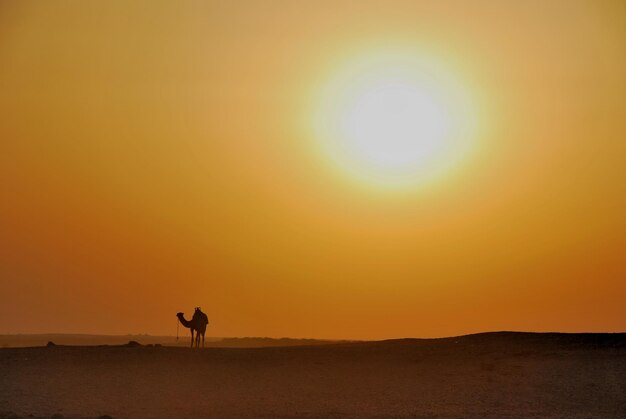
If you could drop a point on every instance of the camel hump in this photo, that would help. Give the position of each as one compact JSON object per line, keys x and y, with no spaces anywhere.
{"x":200,"y":315}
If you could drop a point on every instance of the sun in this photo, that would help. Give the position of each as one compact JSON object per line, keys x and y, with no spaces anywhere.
{"x":395,"y":119}
{"x":393,"y":125}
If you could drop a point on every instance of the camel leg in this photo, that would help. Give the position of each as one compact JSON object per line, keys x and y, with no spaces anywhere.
{"x":203,"y":340}
{"x":191,"y":338}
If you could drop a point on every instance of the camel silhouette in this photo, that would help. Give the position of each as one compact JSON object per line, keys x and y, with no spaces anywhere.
{"x":197,"y":323}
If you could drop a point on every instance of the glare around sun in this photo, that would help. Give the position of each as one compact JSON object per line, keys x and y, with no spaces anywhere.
{"x":395,"y":119}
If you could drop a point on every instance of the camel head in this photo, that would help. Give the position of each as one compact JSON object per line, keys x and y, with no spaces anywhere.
{"x":180,"y":314}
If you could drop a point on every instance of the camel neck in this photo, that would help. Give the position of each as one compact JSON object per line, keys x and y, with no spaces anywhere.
{"x":184,"y":321}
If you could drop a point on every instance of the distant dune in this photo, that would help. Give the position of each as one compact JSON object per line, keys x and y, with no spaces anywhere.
{"x":504,"y":374}
{"x":22,"y":341}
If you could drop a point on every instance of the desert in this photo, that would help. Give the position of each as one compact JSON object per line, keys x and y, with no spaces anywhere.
{"x":312,"y":209}
{"x":501,"y":374}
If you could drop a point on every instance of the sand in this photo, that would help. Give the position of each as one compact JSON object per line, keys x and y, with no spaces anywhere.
{"x":495,"y":374}
{"x":21,"y":341}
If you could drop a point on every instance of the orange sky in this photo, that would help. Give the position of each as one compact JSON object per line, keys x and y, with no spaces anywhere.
{"x":155,"y":156}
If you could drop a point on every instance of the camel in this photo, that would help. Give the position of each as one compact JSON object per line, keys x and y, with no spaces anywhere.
{"x":197,"y":323}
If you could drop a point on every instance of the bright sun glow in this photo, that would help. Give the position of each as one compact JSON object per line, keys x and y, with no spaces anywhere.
{"x":395,"y":119}
{"x":395,"y":124}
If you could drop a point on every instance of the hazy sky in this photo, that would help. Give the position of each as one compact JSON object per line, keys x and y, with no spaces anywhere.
{"x":156,"y":156}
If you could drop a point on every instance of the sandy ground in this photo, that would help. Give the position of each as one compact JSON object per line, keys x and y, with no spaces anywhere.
{"x":21,"y":341}
{"x":497,"y":374}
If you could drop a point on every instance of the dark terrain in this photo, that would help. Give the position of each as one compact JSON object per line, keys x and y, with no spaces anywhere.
{"x":502,"y":374}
